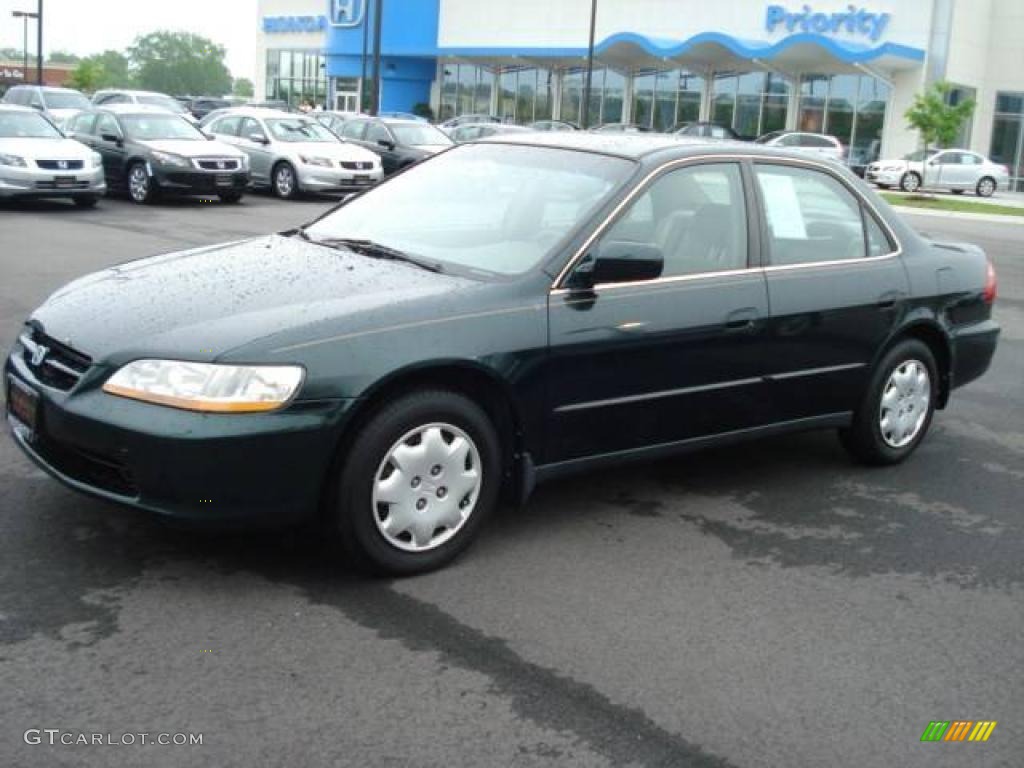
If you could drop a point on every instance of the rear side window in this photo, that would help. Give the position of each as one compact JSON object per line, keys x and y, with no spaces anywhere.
{"x":812,"y":217}
{"x":353,"y":129}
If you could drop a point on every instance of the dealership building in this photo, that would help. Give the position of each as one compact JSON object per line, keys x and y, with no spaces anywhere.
{"x":830,"y":66}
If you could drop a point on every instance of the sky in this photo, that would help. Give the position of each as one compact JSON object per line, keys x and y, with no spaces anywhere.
{"x":92,"y":26}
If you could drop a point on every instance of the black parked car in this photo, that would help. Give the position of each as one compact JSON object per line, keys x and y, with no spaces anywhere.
{"x":474,"y":131}
{"x":147,"y":152}
{"x":503,"y":313}
{"x":705,"y":130}
{"x":400,"y":143}
{"x":201,"y":106}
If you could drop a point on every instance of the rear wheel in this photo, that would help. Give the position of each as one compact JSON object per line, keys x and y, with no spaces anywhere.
{"x":284,"y":181}
{"x":986,"y":187}
{"x":140,"y":186}
{"x":86,"y":201}
{"x":897,"y":407}
{"x":911,"y":182}
{"x":418,"y":482}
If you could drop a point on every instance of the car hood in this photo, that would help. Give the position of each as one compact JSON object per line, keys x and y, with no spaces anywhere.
{"x":189,"y":148}
{"x":333,"y":150}
{"x":430,"y":149}
{"x":46,"y":149}
{"x":199,"y":304}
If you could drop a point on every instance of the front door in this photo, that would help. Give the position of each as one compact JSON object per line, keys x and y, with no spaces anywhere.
{"x":110,"y":145}
{"x":346,"y":101}
{"x":253,"y":140}
{"x":676,"y":357}
{"x":835,"y":286}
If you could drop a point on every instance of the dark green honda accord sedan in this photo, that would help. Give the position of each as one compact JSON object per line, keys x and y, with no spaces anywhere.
{"x":502,"y":313}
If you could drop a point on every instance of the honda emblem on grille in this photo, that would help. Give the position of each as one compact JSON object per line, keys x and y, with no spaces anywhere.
{"x":221,"y":164}
{"x":62,"y":164}
{"x":39,"y":354}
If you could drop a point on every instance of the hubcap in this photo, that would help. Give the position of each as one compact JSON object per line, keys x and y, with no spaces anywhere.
{"x":138,"y":183}
{"x":986,"y":187}
{"x":426,"y":487}
{"x":911,"y":183}
{"x":905,"y":400}
{"x":284,"y":180}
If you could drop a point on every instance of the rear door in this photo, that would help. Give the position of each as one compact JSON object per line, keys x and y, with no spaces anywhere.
{"x":836,"y":287}
{"x":634,"y":365}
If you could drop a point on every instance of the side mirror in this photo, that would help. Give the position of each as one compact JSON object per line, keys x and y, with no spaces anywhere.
{"x":258,"y":138}
{"x":37,"y":106}
{"x":389,"y":145}
{"x":209,"y":136}
{"x":619,"y":261}
{"x":113,"y":139}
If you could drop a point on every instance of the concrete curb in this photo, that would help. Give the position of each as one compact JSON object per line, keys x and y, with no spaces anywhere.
{"x":992,"y":217}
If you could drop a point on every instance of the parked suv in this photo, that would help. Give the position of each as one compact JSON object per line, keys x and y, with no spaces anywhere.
{"x":36,"y":160}
{"x":148,"y":152}
{"x":109,"y":98}
{"x":817,"y":144}
{"x":56,"y":103}
{"x":294,"y":153}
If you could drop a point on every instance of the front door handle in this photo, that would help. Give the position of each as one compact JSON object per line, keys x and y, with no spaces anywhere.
{"x":741,"y":320}
{"x":889,"y":300}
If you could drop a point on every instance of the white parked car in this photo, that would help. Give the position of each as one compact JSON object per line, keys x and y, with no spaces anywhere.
{"x":110,"y":97}
{"x":58,"y":104}
{"x":294,"y":153}
{"x":37,"y":160}
{"x":955,"y":170}
{"x":817,"y":144}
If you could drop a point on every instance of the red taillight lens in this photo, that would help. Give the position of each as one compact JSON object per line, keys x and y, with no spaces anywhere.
{"x":989,"y":294}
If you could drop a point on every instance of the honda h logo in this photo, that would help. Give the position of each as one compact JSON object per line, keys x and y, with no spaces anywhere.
{"x":38,"y":355}
{"x":62,"y":164}
{"x":221,"y":164}
{"x":346,"y":13}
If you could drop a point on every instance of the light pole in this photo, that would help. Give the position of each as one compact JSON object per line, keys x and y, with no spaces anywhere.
{"x":378,"y":13}
{"x":24,"y":16}
{"x":590,"y":68}
{"x":39,"y":43}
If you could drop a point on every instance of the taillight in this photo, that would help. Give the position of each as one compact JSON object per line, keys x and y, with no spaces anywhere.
{"x":989,"y":293}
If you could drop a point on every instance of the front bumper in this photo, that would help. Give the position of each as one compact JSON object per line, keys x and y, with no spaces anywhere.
{"x":188,"y":181}
{"x":889,"y":178}
{"x":314,"y":178}
{"x":40,"y":183}
{"x":253,"y":469}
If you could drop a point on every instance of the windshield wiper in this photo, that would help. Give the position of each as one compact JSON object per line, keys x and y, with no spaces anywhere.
{"x":375,"y":250}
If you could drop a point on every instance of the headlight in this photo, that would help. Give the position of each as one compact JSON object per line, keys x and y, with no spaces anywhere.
{"x":12,"y":160}
{"x":325,"y":162}
{"x":244,"y":162}
{"x":97,"y":160}
{"x":206,"y":386}
{"x":165,"y":158}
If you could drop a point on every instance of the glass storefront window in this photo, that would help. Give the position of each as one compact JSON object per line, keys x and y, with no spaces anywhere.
{"x":747,"y":118}
{"x":542,"y":108}
{"x":688,"y":103}
{"x":296,"y":77}
{"x":841,"y":100}
{"x":666,"y":84}
{"x":813,"y":93}
{"x":1007,"y":145}
{"x":572,"y":94}
{"x":526,"y":89}
{"x":643,"y":99}
{"x":614,"y":94}
{"x":723,"y":103}
{"x":466,"y":87}
{"x":849,"y":107}
{"x":507,"y":95}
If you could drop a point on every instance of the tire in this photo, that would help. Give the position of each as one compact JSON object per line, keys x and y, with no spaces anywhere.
{"x":986,"y":187}
{"x":390,"y":534}
{"x":866,"y":439}
{"x":86,"y":201}
{"x":140,"y":185}
{"x":230,"y":197}
{"x":957,"y":191}
{"x":911,"y":182}
{"x":284,"y":181}
{"x":884,"y":186}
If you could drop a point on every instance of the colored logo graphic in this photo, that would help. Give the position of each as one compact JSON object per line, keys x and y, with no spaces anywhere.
{"x":958,"y":730}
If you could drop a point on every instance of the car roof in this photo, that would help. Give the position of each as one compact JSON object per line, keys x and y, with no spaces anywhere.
{"x":131,"y":91}
{"x":134,"y":109}
{"x":260,"y":113}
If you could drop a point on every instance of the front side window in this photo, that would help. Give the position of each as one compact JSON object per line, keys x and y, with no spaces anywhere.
{"x":696,"y":217}
{"x":83,"y":123}
{"x":813,"y":217}
{"x":353,"y":129}
{"x":418,"y":135}
{"x":251,"y":128}
{"x":106,"y":125}
{"x":299,"y":130}
{"x":376,"y":132}
{"x":509,"y":211}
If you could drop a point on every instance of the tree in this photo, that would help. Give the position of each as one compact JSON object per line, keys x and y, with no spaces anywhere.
{"x":938,"y":121}
{"x":102,"y":70}
{"x":179,"y":63}
{"x":87,"y":75}
{"x":243,"y":88}
{"x":62,"y":57}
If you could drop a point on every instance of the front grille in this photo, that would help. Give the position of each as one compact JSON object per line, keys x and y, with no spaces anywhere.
{"x":359,"y":166}
{"x":214,"y":164}
{"x":55,"y":185}
{"x":60,"y":165}
{"x":86,"y":467}
{"x":52,"y":363}
{"x":206,"y":183}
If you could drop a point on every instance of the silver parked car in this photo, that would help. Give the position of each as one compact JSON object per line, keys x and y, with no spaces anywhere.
{"x":817,"y":144}
{"x":294,"y":153}
{"x":58,"y":104}
{"x":37,"y":160}
{"x":110,"y":97}
{"x":956,"y":170}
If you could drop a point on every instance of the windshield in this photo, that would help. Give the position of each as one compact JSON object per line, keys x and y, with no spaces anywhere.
{"x":419,"y":135}
{"x":919,"y":155}
{"x":158,"y":126}
{"x":298,"y":129}
{"x":66,"y":100}
{"x":165,"y":102}
{"x":26,"y":125}
{"x":491,"y":208}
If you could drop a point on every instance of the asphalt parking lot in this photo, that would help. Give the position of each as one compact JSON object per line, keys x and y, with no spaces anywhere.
{"x":765,"y":605}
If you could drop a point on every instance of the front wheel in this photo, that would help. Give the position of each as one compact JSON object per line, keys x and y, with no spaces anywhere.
{"x":911,"y":182}
{"x":284,"y":181}
{"x":86,"y":201}
{"x":418,"y":482}
{"x":986,"y":187}
{"x":897,"y":407}
{"x":230,"y":197}
{"x":140,"y":186}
